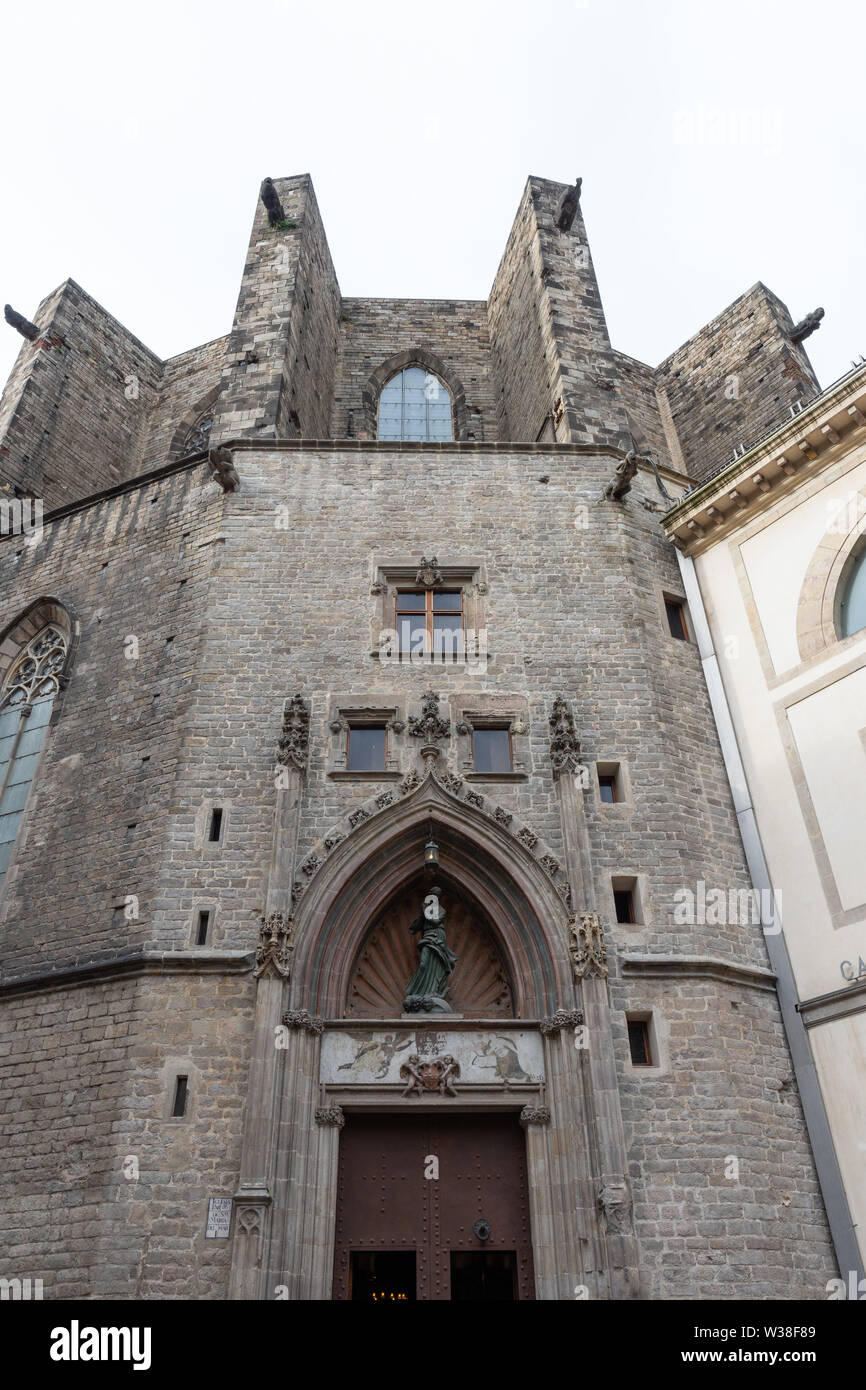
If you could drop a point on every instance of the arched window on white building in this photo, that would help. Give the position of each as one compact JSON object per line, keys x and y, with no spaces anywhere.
{"x":852,"y":606}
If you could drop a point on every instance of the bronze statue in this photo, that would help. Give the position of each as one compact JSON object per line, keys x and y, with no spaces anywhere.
{"x":425,"y":992}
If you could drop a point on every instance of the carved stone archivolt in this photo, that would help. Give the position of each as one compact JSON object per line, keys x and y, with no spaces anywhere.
{"x":294,"y":745}
{"x":457,"y":788}
{"x":438,"y":1074}
{"x":586,"y":946}
{"x":300,"y":1018}
{"x":534,"y":1115}
{"x":564,"y":743}
{"x":563,"y":1018}
{"x":275,"y":947}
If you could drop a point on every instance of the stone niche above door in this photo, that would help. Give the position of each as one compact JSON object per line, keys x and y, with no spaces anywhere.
{"x":479,"y":986}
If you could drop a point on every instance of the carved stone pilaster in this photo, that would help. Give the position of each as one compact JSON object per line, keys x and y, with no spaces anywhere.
{"x":534,"y":1115}
{"x":586,"y":946}
{"x":564,"y":743}
{"x":276,"y":947}
{"x":330,"y":1115}
{"x":563,"y":1018}
{"x":300,"y":1018}
{"x":294,"y":744}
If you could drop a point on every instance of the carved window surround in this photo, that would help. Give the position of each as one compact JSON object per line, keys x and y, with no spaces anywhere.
{"x":345,"y":714}
{"x":497,"y":712}
{"x":469,"y":576}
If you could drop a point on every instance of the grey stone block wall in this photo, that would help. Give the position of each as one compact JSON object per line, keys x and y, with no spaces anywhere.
{"x":735,"y":380}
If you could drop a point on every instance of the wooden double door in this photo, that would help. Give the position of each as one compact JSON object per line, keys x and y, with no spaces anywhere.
{"x":432,"y":1206}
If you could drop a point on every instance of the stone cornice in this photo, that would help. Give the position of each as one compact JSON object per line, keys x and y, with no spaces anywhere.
{"x":197,"y":962}
{"x":798,"y":449}
{"x":345,"y":446}
{"x":708,"y":967}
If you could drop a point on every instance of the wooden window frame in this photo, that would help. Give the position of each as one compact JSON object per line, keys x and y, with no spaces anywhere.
{"x":673,"y":601}
{"x":608,"y":779}
{"x":429,"y":614}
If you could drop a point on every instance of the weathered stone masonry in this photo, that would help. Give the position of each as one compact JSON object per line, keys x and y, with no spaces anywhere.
{"x":239,"y":600}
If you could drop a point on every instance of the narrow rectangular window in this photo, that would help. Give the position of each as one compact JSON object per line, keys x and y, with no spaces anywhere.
{"x":216,"y":824}
{"x":367,"y":748}
{"x":411,"y":621}
{"x":624,"y":902}
{"x":607,"y":788}
{"x":203,"y":924}
{"x":447,"y":623}
{"x":676,"y":611}
{"x":180,"y":1092}
{"x":639,"y":1042}
{"x":491,"y":750}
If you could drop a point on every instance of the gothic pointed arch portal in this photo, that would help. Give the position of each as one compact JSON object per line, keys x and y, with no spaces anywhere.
{"x":491,"y":873}
{"x":362,"y":1089}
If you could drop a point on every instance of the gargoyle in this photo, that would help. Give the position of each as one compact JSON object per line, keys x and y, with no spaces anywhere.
{"x":806,"y":326}
{"x":568,"y":207}
{"x":222,"y":467}
{"x":271,"y":200}
{"x":620,"y":484}
{"x":23,"y":325}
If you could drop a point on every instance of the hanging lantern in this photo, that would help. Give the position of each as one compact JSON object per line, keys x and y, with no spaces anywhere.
{"x":431,"y":855}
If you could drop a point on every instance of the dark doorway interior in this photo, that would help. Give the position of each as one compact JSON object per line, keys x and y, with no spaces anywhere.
{"x":483,"y":1276}
{"x":383,"y":1276}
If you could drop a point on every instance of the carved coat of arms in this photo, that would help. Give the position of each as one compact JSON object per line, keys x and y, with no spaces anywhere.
{"x":438,"y":1075}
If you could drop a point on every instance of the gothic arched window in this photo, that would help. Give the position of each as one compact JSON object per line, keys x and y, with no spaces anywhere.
{"x":25,"y":708}
{"x":852,"y":606}
{"x":197,"y":438}
{"x":415,"y":405}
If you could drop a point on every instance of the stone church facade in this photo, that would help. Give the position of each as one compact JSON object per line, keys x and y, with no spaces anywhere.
{"x":366,"y":598}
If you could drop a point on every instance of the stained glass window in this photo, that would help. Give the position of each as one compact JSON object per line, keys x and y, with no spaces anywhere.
{"x":415,"y":406}
{"x":25,"y":709}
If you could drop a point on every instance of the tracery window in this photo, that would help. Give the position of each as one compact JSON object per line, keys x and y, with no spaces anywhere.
{"x":25,"y":708}
{"x":852,"y":608}
{"x":415,"y":405}
{"x":197,"y":438}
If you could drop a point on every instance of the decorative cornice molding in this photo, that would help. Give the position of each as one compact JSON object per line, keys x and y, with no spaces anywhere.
{"x":711,"y":967}
{"x":797,"y":449}
{"x":201,"y":961}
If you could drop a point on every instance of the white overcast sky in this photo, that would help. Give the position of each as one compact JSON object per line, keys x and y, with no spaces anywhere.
{"x":719,"y":144}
